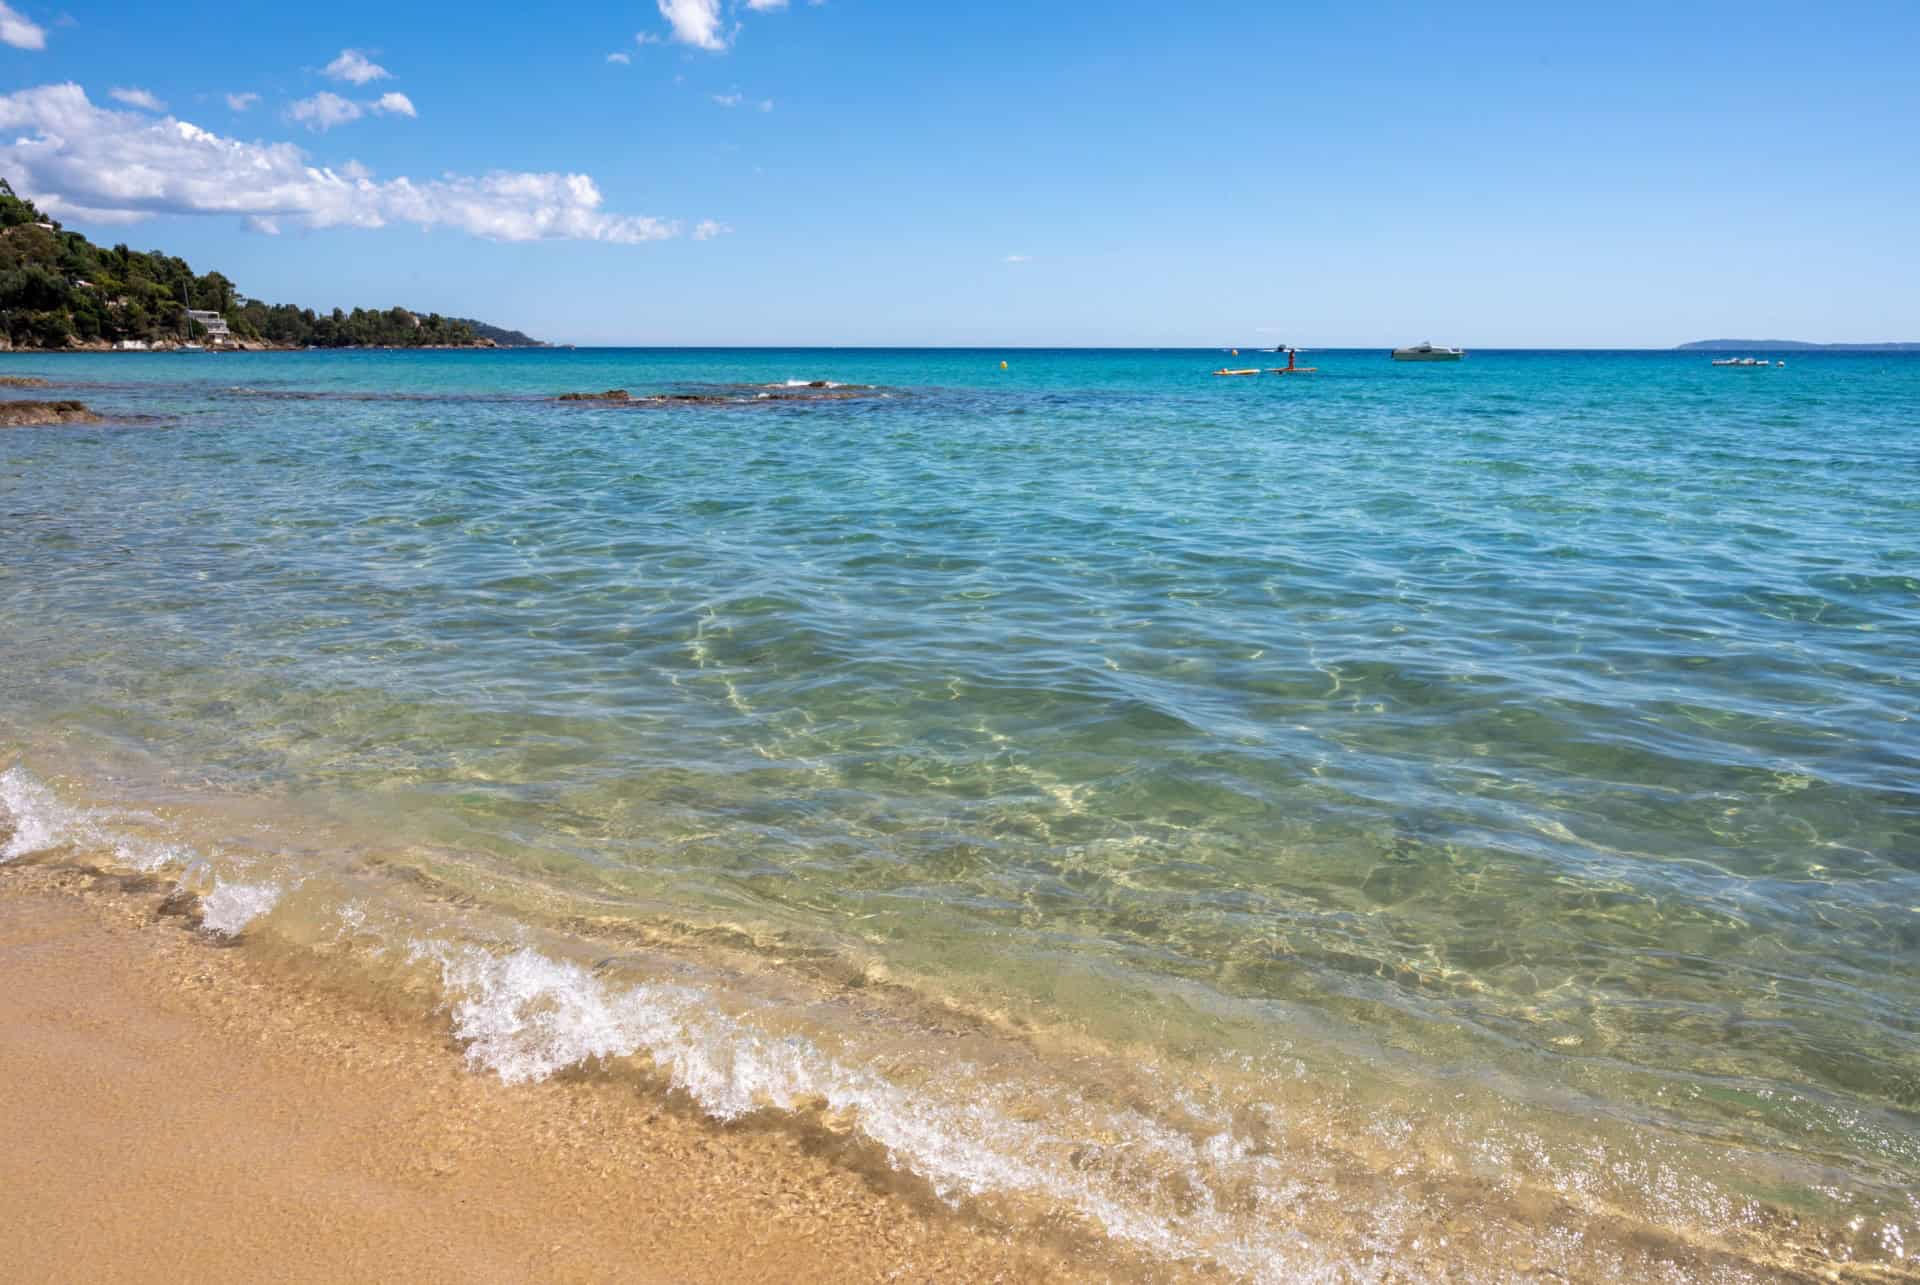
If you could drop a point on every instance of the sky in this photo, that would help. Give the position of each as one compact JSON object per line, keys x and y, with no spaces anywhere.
{"x":865,"y":172}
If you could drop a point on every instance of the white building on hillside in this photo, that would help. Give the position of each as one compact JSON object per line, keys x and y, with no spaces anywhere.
{"x":215,"y":324}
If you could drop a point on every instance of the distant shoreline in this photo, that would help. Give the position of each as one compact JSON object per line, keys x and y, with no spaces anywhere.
{"x":1789,"y":345}
{"x":1382,"y":350}
{"x":485,"y":345}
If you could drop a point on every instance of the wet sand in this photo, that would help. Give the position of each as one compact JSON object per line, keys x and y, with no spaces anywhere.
{"x":179,"y":1110}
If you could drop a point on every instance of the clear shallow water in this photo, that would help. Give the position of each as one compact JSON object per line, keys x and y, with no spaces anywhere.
{"x":1268,"y":818}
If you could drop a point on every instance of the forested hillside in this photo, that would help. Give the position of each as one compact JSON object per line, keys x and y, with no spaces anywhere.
{"x":59,"y":290}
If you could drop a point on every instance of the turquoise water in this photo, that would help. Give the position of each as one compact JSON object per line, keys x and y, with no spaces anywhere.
{"x":1510,"y":764}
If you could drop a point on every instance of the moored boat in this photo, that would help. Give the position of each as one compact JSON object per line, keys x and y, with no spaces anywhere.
{"x":1427,"y":352}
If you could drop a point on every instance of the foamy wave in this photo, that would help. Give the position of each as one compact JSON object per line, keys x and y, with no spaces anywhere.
{"x":525,"y":1016}
{"x":42,"y":822}
{"x":230,"y":907}
{"x":39,"y":820}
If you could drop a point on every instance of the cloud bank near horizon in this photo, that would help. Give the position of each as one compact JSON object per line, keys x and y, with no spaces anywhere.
{"x":83,"y":161}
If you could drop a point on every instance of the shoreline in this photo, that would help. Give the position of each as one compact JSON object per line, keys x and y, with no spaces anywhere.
{"x":152,"y":1054}
{"x":182,"y":1106}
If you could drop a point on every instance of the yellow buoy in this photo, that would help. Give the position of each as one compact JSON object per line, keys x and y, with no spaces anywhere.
{"x":1236,"y":352}
{"x":1003,"y":365}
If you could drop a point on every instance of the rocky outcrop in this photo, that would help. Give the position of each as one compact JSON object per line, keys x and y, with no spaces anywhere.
{"x":22,"y":381}
{"x":611,"y":395}
{"x":26,"y":414}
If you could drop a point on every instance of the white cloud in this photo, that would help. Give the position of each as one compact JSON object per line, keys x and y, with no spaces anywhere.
{"x":242,"y":102}
{"x":262,"y":224}
{"x":394,"y":105}
{"x":134,"y":97}
{"x":736,"y":98}
{"x":353,"y":66}
{"x":694,"y":22}
{"x":707,"y":229}
{"x":15,"y":30}
{"x":1019,"y":258}
{"x":323,"y":111}
{"x":620,"y":58}
{"x":704,"y":23}
{"x":90,"y":163}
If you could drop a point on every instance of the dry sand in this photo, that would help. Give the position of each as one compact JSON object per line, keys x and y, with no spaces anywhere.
{"x":174,"y":1110}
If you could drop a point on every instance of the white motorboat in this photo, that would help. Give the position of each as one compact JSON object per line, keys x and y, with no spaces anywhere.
{"x":1427,"y":352}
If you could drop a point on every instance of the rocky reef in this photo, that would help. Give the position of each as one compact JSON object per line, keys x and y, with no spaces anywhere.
{"x":818,"y":390}
{"x":24,"y":414}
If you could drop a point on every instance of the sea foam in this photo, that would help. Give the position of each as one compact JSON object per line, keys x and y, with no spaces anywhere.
{"x":525,"y":1016}
{"x":230,"y":907}
{"x":39,"y":821}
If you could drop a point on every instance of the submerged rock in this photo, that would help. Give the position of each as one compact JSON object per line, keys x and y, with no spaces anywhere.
{"x":22,"y":381}
{"x":818,"y":390}
{"x":25,"y":414}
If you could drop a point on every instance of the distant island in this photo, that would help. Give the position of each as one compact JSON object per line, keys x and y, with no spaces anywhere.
{"x":58,"y":290}
{"x":1787,"y":345}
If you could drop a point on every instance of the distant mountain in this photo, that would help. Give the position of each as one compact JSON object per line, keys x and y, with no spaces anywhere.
{"x":502,"y":337}
{"x":1788,"y":345}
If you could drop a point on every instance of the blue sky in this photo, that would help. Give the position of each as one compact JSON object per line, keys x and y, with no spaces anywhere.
{"x":858,"y":172}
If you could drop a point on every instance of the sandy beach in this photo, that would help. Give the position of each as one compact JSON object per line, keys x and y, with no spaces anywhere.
{"x":179,"y":1110}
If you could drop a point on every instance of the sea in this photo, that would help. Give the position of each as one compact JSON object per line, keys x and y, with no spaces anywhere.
{"x":1409,"y":821}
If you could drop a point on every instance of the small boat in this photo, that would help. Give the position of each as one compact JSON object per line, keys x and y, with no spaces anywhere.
{"x":1427,"y":352}
{"x":1253,"y":371}
{"x":1759,"y":363}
